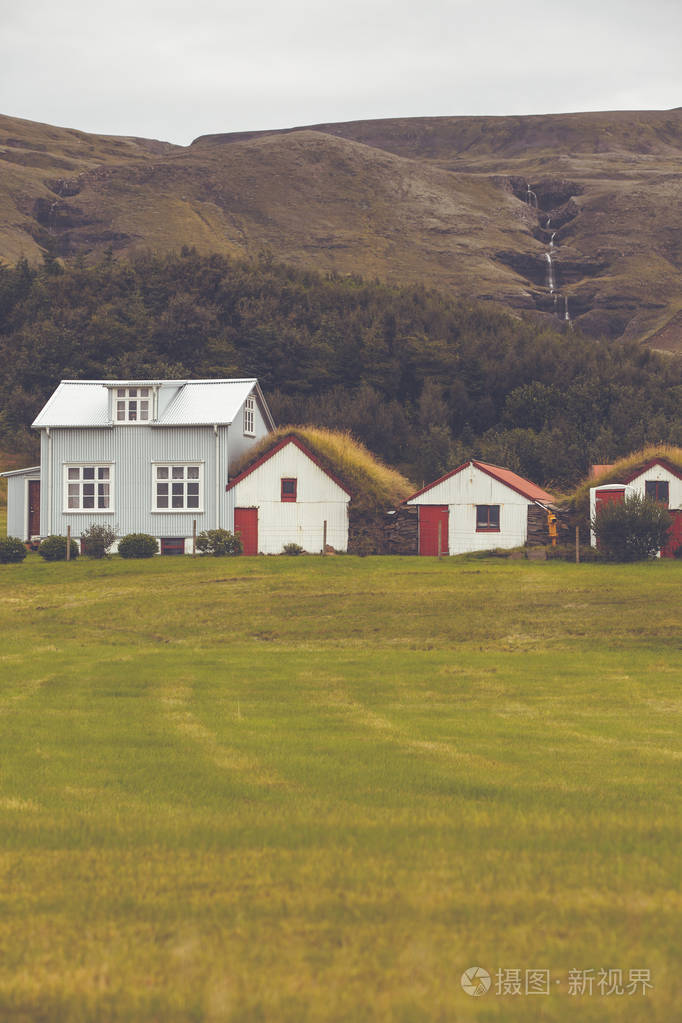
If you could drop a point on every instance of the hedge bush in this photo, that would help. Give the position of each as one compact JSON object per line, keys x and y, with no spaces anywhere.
{"x":633,"y":529}
{"x":219,"y":542}
{"x":53,"y":548}
{"x":11,"y":550}
{"x":97,"y":540}
{"x":138,"y":545}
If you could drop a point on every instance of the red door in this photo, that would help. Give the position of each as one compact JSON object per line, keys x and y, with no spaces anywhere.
{"x":431,"y":517}
{"x":246,"y":524}
{"x":606,"y":496}
{"x":675,"y":538}
{"x":33,"y":508}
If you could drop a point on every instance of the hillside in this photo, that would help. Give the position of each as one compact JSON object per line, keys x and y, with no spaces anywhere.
{"x":423,"y":379}
{"x":543,"y":215}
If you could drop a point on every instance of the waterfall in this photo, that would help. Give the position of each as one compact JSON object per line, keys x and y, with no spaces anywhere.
{"x":566,"y":313}
{"x":550,"y":272}
{"x":531,"y":198}
{"x":551,"y":240}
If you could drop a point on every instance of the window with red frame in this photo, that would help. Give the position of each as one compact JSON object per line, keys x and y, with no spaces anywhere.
{"x":657,"y":490}
{"x":288,"y":492}
{"x":487,"y":518}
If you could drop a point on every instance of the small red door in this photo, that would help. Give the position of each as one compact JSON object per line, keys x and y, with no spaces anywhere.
{"x":431,"y":517}
{"x":33,"y":508}
{"x":246,"y":524}
{"x":675,"y":538}
{"x":607,"y":496}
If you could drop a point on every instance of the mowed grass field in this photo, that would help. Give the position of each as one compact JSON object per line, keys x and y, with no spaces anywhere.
{"x":306,"y":789}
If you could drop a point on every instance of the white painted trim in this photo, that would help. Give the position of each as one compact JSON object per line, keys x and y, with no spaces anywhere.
{"x":217,"y":476}
{"x":170,"y":463}
{"x":95,"y":465}
{"x":49,"y":483}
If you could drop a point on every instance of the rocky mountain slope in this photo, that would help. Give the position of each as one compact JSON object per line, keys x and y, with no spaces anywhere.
{"x":574,"y":218}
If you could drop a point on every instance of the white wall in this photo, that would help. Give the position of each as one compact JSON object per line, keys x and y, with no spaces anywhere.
{"x":319,"y":498}
{"x":659,"y":472}
{"x":462,"y":492}
{"x":638,"y":486}
{"x":17,"y":502}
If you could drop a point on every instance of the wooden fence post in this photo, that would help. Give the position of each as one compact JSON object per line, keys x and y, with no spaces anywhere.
{"x":68,"y":543}
{"x":324,"y":538}
{"x":194,"y":538}
{"x":577,"y":545}
{"x":440,"y":537}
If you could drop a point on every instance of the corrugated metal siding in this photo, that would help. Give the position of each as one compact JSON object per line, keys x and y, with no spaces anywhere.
{"x":132,"y":450}
{"x":239,"y":442}
{"x":17,"y":504}
{"x":462,"y":493}
{"x":319,"y":498}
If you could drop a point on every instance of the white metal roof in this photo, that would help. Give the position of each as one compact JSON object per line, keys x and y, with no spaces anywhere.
{"x":196,"y":402}
{"x":21,"y":472}
{"x":201,"y":402}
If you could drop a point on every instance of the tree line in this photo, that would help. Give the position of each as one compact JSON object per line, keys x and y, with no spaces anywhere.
{"x":423,"y":379}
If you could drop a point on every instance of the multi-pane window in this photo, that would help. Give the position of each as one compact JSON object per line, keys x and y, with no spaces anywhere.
{"x":288,"y":489}
{"x":249,"y":416}
{"x":488,"y":518}
{"x":657,"y":490}
{"x":177,"y":487}
{"x":88,"y":487}
{"x":133,"y":404}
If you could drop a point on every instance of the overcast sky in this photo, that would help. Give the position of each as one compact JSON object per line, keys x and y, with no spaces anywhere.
{"x":174,"y":71}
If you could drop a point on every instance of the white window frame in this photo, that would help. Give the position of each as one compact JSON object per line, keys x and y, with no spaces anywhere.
{"x":123,"y":400}
{"x":250,"y":417}
{"x":70,"y":482}
{"x":185,"y":480}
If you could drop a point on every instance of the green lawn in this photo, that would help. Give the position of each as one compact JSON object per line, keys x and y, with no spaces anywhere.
{"x":302,"y":789}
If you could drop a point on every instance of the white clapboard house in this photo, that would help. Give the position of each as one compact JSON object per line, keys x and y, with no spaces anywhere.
{"x":147,"y":456}
{"x":658,"y":479}
{"x":286,"y":496}
{"x":476,"y":507}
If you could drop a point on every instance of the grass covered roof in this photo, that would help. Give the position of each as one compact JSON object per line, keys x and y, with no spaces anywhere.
{"x":373,"y":486}
{"x":622,"y":470}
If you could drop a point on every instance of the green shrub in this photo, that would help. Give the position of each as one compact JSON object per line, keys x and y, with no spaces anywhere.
{"x":677,"y":553}
{"x":292,"y":548}
{"x":138,"y":545}
{"x":53,"y":548}
{"x":97,"y":540}
{"x":11,"y":550}
{"x":633,"y":529}
{"x":219,"y":542}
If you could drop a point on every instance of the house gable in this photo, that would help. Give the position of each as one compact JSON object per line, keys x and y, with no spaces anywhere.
{"x":452,"y":488}
{"x":284,"y":443}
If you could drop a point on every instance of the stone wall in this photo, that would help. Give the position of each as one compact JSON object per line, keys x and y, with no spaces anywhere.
{"x":401,"y":529}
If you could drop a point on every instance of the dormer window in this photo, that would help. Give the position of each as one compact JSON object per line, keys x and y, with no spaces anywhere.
{"x":249,"y":417}
{"x":133,"y":404}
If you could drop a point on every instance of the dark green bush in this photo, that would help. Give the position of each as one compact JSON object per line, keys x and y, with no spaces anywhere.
{"x":677,"y":553}
{"x":11,"y":550}
{"x":219,"y":542}
{"x":633,"y":529}
{"x":97,"y":540}
{"x":53,"y":548}
{"x":138,"y":545}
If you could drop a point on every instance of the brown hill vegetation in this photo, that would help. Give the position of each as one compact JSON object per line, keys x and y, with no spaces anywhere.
{"x":483,"y":207}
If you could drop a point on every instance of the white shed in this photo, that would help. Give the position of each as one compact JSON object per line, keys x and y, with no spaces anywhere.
{"x":287,"y":496}
{"x":657,"y":479}
{"x":476,"y":507}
